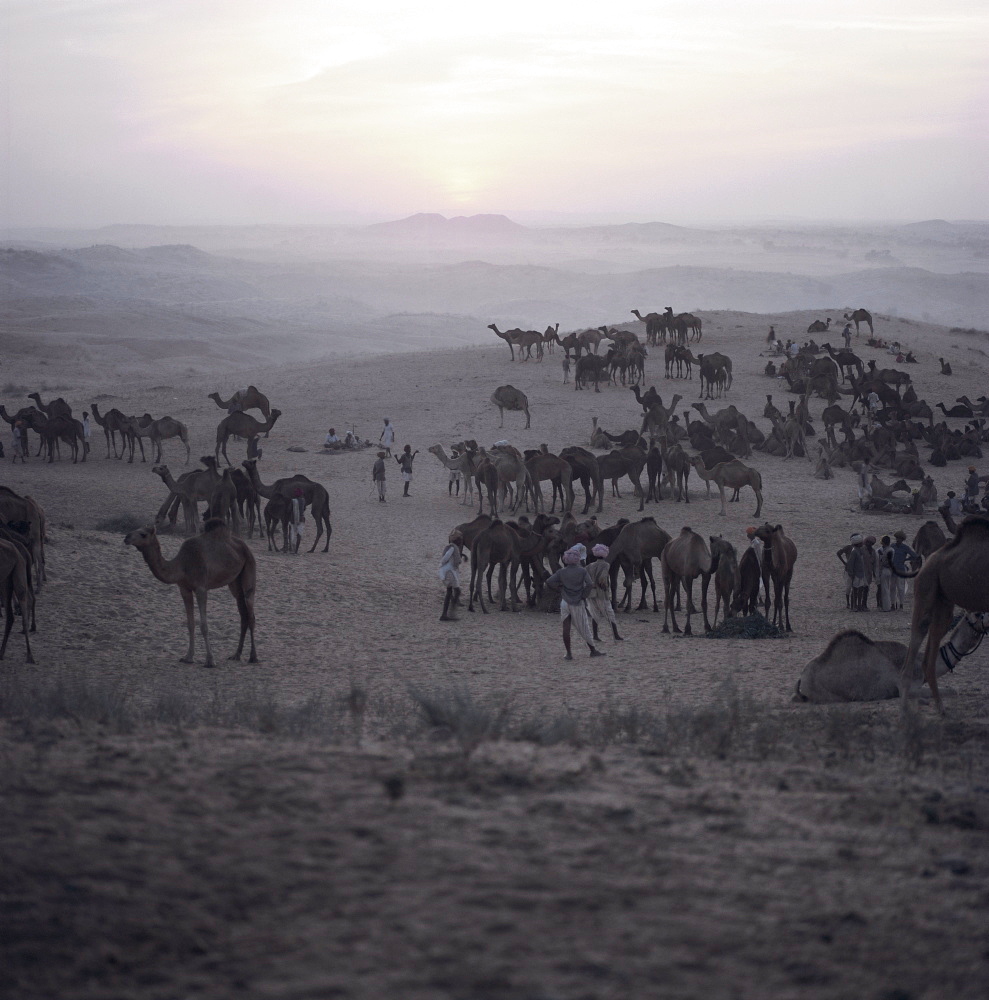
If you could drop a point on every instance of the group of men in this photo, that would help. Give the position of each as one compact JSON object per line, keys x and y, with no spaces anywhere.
{"x":865,"y":564}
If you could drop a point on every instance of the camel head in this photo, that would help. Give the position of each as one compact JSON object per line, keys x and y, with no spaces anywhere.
{"x":141,"y":538}
{"x":160,"y":470}
{"x":208,"y":460}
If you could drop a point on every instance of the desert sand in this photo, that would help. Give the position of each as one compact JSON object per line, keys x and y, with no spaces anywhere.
{"x":662,"y":822}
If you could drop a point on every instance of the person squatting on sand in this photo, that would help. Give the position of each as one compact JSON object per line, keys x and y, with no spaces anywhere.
{"x":599,"y":602}
{"x":378,"y":475}
{"x":453,"y":555}
{"x":575,"y":586}
{"x":405,"y":461}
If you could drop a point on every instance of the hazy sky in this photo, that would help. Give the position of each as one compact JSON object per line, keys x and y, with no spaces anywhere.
{"x":240,"y":111}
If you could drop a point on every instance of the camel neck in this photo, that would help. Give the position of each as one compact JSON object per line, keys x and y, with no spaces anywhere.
{"x":165,"y":570}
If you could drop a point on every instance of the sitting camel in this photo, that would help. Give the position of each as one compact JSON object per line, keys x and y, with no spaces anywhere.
{"x":241,"y":425}
{"x":203,"y":563}
{"x":852,"y":668}
{"x":952,"y":575}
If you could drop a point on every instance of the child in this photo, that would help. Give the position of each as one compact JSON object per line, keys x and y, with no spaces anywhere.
{"x":453,"y":555}
{"x":405,"y":461}
{"x":378,"y":476}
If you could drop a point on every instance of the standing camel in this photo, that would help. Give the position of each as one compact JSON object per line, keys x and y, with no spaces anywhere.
{"x":464,"y":463}
{"x":164,"y":428}
{"x":634,"y":549}
{"x":733,"y":474}
{"x":953,"y":575}
{"x":241,"y":425}
{"x":14,"y":581}
{"x":314,"y":494}
{"x":684,"y":559}
{"x":778,"y":559}
{"x":250,"y":398}
{"x":724,"y":566}
{"x":113,"y":422}
{"x":203,"y":563}
{"x":860,"y":316}
{"x":507,"y":397}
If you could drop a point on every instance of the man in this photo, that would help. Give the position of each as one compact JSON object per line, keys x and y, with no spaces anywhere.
{"x":901,"y":556}
{"x":331,"y":440}
{"x":405,"y":461}
{"x":387,"y":438}
{"x":599,"y":601}
{"x":575,"y":587}
{"x":852,"y":557}
{"x":972,"y":487}
{"x":847,"y":334}
{"x":884,"y":575}
{"x":378,"y":476}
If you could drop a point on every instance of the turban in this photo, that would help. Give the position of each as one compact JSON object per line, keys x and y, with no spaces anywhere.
{"x":601,"y":551}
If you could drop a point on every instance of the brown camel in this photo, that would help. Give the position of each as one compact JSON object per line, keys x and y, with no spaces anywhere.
{"x":241,"y":425}
{"x":508,"y":336}
{"x":507,"y":397}
{"x":14,"y":509}
{"x":113,"y":423}
{"x":315,"y":495}
{"x":724,"y":567}
{"x":884,"y":492}
{"x":223,"y":502}
{"x":952,"y":575}
{"x":929,"y":538}
{"x":819,"y":326}
{"x":189,"y":489}
{"x":655,"y":327}
{"x":15,"y":582}
{"x":847,"y":361}
{"x":734,"y":475}
{"x":684,"y":559}
{"x":860,"y":316}
{"x":495,"y":545}
{"x":544,"y":466}
{"x":624,"y":462}
{"x":250,"y":398}
{"x":749,"y":574}
{"x":203,"y":563}
{"x":634,"y":549}
{"x":509,"y":466}
{"x":586,"y":470}
{"x":56,"y":408}
{"x":677,"y":466}
{"x":137,"y":429}
{"x":464,"y":462}
{"x":852,"y":668}
{"x":778,"y":559}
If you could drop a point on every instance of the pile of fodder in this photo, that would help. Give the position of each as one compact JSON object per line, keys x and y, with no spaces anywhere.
{"x":750,"y":627}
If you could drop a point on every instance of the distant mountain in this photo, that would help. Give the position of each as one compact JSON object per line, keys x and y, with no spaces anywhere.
{"x":431,"y":224}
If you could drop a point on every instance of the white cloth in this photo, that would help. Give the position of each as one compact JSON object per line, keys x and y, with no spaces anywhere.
{"x":599,"y":603}
{"x":577,"y":613}
{"x":388,"y":435}
{"x":449,"y":565}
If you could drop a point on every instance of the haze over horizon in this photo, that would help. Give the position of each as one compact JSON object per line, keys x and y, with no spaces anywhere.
{"x":706,"y":112}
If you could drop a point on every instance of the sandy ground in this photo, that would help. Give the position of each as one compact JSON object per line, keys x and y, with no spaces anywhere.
{"x":199,"y":861}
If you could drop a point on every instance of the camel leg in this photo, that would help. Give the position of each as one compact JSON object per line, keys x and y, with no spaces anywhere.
{"x":190,"y":625}
{"x":246,"y":620}
{"x":201,"y":594}
{"x":672,"y":586}
{"x":758,"y":496}
{"x":8,"y":615}
{"x":940,"y":621}
{"x":724,"y":510}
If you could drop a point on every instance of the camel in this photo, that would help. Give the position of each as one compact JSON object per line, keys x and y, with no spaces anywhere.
{"x":56,"y":429}
{"x":507,"y":397}
{"x":15,"y":509}
{"x":677,"y":469}
{"x":592,"y":367}
{"x":791,"y":433}
{"x":624,"y":462}
{"x":526,"y":341}
{"x":241,"y":425}
{"x":164,"y":428}
{"x":961,"y":410}
{"x":464,"y":463}
{"x":860,"y":316}
{"x":733,"y":474}
{"x":852,"y":668}
{"x":543,"y":466}
{"x":496,"y":544}
{"x":684,"y":559}
{"x":188,"y":490}
{"x":929,"y":538}
{"x":747,"y":593}
{"x":656,"y":420}
{"x":113,"y":423}
{"x":56,"y":408}
{"x":715,"y":368}
{"x":724,"y":567}
{"x":137,"y":429}
{"x":778,"y":559}
{"x":250,"y":398}
{"x":590,"y":340}
{"x":634,"y":549}
{"x":15,"y":582}
{"x":223,"y":502}
{"x":952,"y":575}
{"x":846,"y":361}
{"x":509,"y":471}
{"x":314,"y":494}
{"x":508,"y":336}
{"x":648,"y":399}
{"x":836,"y":416}
{"x":884,"y":492}
{"x":655,"y":328}
{"x":819,"y":326}
{"x":203,"y":563}
{"x":585,"y":469}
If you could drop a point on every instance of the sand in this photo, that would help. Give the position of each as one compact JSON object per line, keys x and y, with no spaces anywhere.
{"x":199,"y":860}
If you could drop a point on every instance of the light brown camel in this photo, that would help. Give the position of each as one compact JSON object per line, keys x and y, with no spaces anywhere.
{"x":852,"y":668}
{"x":589,"y":340}
{"x":791,"y":433}
{"x":884,"y":492}
{"x":544,"y":467}
{"x":463,"y":462}
{"x":778,"y":559}
{"x":526,"y":341}
{"x":734,"y":475}
{"x":137,"y":429}
{"x":510,"y":467}
{"x":250,"y":398}
{"x":684,"y":559}
{"x":164,"y":428}
{"x":315,"y":495}
{"x":860,"y":316}
{"x":551,"y":337}
{"x":203,"y":563}
{"x":507,"y":397}
{"x":113,"y":423}
{"x":952,"y":575}
{"x":189,"y":489}
{"x":634,"y":549}
{"x":241,"y":425}
{"x":14,"y":582}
